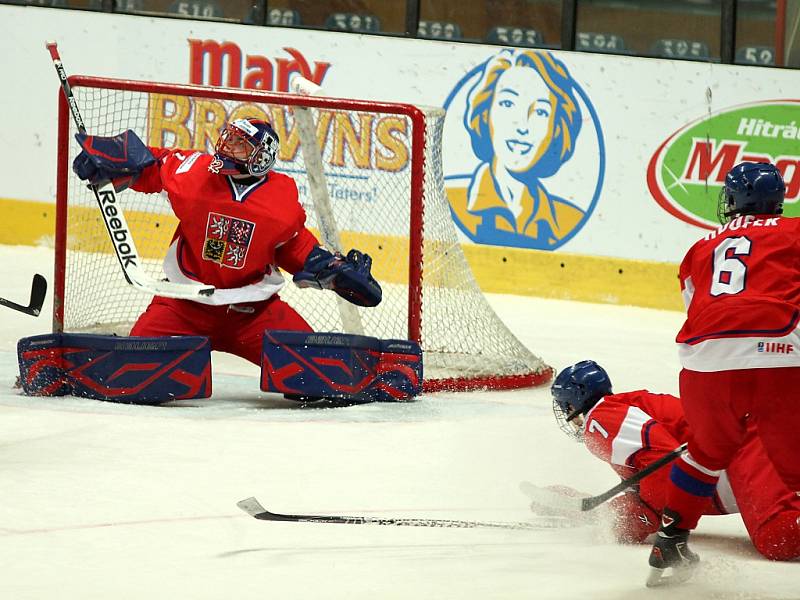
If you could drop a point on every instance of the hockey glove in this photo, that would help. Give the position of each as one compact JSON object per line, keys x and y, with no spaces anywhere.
{"x":349,"y":276}
{"x":118,"y":159}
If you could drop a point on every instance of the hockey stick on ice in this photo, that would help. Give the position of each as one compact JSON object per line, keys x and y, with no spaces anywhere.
{"x":253,"y":508}
{"x":114,"y":218}
{"x":38,"y":292}
{"x":558,"y":501}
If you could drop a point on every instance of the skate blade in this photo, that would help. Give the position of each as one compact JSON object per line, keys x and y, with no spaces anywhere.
{"x":676,"y":576}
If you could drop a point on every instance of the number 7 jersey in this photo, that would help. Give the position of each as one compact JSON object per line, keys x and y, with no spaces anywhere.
{"x":741,"y":287}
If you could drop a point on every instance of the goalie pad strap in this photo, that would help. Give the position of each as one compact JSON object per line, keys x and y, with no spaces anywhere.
{"x":340,"y":366}
{"x":132,"y":370}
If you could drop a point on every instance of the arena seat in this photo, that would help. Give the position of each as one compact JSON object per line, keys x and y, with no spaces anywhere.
{"x":128,"y":5}
{"x":515,"y":36}
{"x":679,"y":48}
{"x":755,"y":55}
{"x":121,"y":6}
{"x":439,"y":30}
{"x":283,"y":16}
{"x":359,"y":22}
{"x":50,"y":3}
{"x":600,"y":42}
{"x":196,"y":8}
{"x":276,"y":17}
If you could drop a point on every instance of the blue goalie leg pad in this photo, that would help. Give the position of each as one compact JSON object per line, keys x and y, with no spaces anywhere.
{"x":323,"y":365}
{"x":399,"y":373}
{"x":340,"y":366}
{"x":132,"y":370}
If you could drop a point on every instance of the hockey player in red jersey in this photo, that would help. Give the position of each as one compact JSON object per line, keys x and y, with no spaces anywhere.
{"x":632,"y":430}
{"x":739,"y":348}
{"x":239,"y":222}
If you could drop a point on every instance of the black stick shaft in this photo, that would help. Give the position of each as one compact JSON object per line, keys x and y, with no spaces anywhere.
{"x":595,"y":501}
{"x":252,"y":507}
{"x":120,"y":234}
{"x":52,"y":47}
{"x":397,"y":522}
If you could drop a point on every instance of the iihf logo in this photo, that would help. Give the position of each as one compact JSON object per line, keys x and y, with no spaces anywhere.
{"x":775,"y":347}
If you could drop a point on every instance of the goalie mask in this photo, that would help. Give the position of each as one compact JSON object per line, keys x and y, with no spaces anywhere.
{"x":246,"y":147}
{"x":575,"y":392}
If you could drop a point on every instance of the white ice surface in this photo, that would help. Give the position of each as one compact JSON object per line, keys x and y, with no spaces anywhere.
{"x":107,"y":501}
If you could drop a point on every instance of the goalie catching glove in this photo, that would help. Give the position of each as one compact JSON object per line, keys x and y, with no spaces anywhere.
{"x":118,"y":159}
{"x":349,"y":276}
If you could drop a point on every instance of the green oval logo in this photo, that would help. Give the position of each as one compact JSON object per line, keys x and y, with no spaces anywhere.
{"x":688,"y":169}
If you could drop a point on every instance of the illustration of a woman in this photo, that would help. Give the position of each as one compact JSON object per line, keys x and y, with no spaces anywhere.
{"x":523,"y":120}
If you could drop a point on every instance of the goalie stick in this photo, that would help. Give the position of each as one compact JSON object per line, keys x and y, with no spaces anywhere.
{"x":318,"y":187}
{"x":118,"y":230}
{"x":254,"y":508}
{"x":38,"y":292}
{"x":558,"y":501}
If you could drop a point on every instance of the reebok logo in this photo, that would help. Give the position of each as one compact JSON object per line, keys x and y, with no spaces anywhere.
{"x":666,"y":520}
{"x":118,"y":229}
{"x":775,"y":347}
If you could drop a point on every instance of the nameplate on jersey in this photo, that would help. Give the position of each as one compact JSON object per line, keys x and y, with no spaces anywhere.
{"x":227,"y":240}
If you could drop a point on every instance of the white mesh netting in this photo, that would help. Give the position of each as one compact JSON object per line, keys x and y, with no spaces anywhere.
{"x":366,"y":155}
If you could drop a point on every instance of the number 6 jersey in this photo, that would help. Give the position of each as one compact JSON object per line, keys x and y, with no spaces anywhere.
{"x":741,"y":286}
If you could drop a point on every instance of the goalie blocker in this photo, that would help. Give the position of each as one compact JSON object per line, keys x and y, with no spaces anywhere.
{"x":132,"y":370}
{"x":340,"y":366}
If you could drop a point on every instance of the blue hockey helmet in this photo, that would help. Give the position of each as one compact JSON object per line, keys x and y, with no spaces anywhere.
{"x":575,"y":391}
{"x":751,"y":189}
{"x":246,"y":147}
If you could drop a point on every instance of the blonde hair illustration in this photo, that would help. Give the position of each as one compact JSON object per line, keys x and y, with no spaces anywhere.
{"x":523,"y":119}
{"x":565,"y":119}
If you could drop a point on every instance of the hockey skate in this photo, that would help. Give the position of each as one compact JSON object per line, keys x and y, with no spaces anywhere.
{"x":671,"y":551}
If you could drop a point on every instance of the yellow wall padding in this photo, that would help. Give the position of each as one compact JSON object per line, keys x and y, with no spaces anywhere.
{"x":497,"y":269}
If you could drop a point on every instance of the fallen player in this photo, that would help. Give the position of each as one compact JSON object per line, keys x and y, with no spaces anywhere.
{"x":631,"y":430}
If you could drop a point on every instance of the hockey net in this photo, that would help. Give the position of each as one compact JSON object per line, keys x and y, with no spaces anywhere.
{"x":382,"y":177}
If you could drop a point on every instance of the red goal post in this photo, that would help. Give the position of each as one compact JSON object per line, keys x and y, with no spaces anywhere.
{"x":371,"y":178}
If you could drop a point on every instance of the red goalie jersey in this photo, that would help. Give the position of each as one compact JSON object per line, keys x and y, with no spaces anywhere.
{"x":634,"y":429}
{"x":230,"y":235}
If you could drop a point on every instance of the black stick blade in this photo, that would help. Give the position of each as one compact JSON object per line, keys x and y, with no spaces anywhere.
{"x":38,"y":293}
{"x":254,"y":508}
{"x":595,"y":501}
